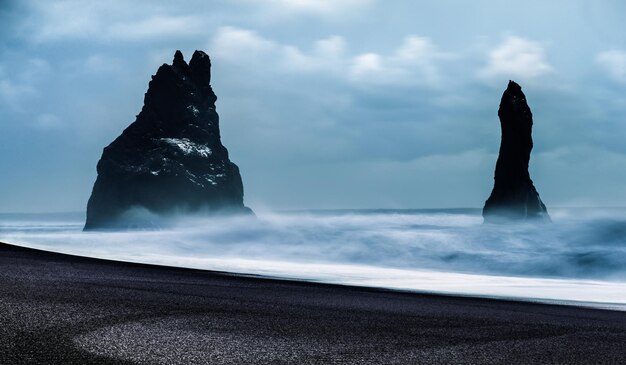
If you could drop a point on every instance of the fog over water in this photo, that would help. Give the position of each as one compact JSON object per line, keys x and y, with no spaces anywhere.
{"x":579,"y":257}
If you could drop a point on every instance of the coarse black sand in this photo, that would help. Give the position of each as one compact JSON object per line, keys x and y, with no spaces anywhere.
{"x":61,"y":309}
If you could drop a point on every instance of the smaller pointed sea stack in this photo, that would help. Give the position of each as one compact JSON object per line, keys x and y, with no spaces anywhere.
{"x":171,"y":159}
{"x":514,"y":196}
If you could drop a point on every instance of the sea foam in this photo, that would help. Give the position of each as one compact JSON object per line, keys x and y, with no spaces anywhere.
{"x":579,"y":257}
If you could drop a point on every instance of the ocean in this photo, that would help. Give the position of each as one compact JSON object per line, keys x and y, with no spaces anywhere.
{"x":578,"y":259}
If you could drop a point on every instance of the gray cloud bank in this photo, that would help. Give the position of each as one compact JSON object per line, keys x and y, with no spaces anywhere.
{"x":323,"y":104}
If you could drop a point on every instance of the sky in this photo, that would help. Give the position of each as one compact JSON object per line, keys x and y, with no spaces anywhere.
{"x":323,"y":103}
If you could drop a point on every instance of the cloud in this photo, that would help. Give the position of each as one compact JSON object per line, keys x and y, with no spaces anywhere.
{"x":22,"y":84}
{"x":613,"y":62}
{"x":518,"y":58}
{"x":326,"y":55}
{"x":141,"y":20}
{"x":573,"y":164}
{"x":415,"y":61}
{"x":48,"y":121}
{"x":155,"y":27}
{"x":315,"y":7}
{"x":241,"y":45}
{"x":11,"y":92}
{"x":116,"y":20}
{"x":320,"y":6}
{"x":66,"y":19}
{"x":247,"y":48}
{"x":102,"y":64}
{"x":292,"y":76}
{"x":367,"y":63}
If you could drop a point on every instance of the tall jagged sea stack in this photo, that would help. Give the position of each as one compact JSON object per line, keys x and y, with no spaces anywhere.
{"x":514,"y":196}
{"x":171,"y":159}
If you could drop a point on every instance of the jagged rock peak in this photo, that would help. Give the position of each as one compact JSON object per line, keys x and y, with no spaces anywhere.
{"x":171,"y":158}
{"x":200,"y":69}
{"x":200,"y":61}
{"x":179,"y":61}
{"x":514,"y":101}
{"x":514,"y":196}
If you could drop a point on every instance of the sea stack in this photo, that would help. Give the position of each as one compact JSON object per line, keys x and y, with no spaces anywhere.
{"x":171,"y":159}
{"x":514,"y":197}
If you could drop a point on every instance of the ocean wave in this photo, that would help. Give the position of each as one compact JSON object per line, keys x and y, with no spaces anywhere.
{"x":581,"y":244}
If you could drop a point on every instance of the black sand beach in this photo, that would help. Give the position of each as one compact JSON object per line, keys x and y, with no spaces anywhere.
{"x":60,"y":309}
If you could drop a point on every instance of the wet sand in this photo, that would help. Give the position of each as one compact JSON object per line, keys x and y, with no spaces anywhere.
{"x":65,"y":309}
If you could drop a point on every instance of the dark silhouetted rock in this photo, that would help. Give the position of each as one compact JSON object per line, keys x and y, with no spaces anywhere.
{"x":514,"y":196}
{"x":171,"y":159}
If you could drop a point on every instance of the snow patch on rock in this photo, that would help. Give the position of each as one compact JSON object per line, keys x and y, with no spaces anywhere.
{"x":188,"y":147}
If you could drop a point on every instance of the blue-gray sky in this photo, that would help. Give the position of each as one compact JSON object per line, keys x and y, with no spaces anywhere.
{"x":323,"y":103}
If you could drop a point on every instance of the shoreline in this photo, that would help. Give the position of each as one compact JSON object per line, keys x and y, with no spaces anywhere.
{"x":487,"y":286}
{"x":61,"y":308}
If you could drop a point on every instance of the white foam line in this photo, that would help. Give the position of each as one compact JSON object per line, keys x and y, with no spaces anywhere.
{"x":588,"y":293}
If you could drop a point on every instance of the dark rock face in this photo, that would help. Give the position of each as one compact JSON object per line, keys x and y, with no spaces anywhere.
{"x":514,"y":196}
{"x":171,"y":159}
